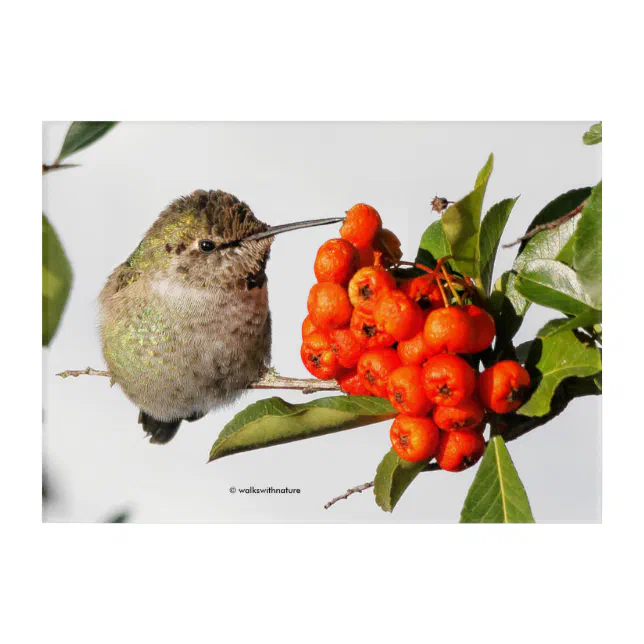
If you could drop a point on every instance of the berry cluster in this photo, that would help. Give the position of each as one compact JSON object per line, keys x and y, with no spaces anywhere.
{"x":408,"y":340}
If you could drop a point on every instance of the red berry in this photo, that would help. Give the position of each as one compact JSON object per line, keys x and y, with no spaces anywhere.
{"x":459,"y":449}
{"x":448,"y":379}
{"x":449,"y":329}
{"x":414,"y":438}
{"x":406,"y":393}
{"x":503,"y":386}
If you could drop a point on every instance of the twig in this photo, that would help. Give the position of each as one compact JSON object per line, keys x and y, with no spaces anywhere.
{"x":551,"y":225}
{"x":83,"y":372}
{"x":270,"y":380}
{"x":348,"y":493}
{"x":57,"y":166}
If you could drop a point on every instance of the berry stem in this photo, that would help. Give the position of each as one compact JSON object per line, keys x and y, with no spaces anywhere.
{"x":448,"y":279}
{"x":443,"y":295}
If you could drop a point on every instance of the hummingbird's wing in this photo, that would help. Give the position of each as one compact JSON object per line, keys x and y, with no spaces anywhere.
{"x":122,"y":276}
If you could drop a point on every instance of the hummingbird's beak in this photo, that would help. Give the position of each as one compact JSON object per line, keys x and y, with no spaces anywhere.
{"x":284,"y":228}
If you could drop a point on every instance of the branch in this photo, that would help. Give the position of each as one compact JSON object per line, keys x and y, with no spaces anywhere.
{"x":348,"y":493}
{"x":551,"y":225}
{"x":270,"y":380}
{"x":431,"y":467}
{"x":83,"y":372}
{"x":57,"y":166}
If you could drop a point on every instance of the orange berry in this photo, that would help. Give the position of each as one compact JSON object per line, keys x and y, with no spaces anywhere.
{"x":449,"y":329}
{"x":414,"y":438}
{"x":388,"y":244}
{"x":413,"y":351}
{"x":308,"y":327}
{"x":396,"y":314}
{"x":459,"y":449}
{"x":424,"y":291}
{"x":346,"y":347}
{"x":375,"y":367}
{"x":406,"y":393}
{"x":484,"y":328}
{"x":367,"y":256}
{"x":351,"y":383}
{"x":361,"y":225}
{"x":448,"y":379}
{"x":364,"y":327}
{"x":469,"y":413}
{"x":329,"y":306}
{"x":336,"y":261}
{"x":503,"y":386}
{"x":367,"y":285}
{"x":318,"y":357}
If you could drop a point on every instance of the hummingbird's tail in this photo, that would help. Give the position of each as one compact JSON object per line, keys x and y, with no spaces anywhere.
{"x":163,"y":431}
{"x":159,"y":431}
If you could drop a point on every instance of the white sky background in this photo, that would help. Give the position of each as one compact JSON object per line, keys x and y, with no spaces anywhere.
{"x":96,"y":457}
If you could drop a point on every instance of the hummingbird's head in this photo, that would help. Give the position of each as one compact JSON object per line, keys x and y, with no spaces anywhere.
{"x":210,"y":239}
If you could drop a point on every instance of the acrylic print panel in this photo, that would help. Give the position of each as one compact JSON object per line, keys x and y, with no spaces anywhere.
{"x":181,"y":327}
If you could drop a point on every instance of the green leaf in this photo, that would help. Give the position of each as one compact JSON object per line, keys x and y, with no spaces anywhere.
{"x":584,"y":320}
{"x":393,"y":476}
{"x":119,"y":517}
{"x":56,"y":281}
{"x":83,"y":133}
{"x":491,"y":231}
{"x":553,"y":284}
{"x":549,"y":243}
{"x":512,"y":426}
{"x":273,"y":421}
{"x":553,"y":358}
{"x":594,"y":135}
{"x":462,"y":225}
{"x":587,"y":246}
{"x":433,"y":245}
{"x":496,"y":494}
{"x":508,"y":304}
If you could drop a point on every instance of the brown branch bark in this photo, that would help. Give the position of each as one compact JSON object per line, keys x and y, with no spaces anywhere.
{"x":270,"y":380}
{"x":551,"y":225}
{"x":348,"y":493}
{"x":57,"y":166}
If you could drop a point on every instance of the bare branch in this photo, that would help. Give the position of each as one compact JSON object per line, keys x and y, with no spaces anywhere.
{"x":57,"y":166}
{"x":83,"y":372}
{"x":551,"y":225}
{"x":348,"y":493}
{"x":270,"y":380}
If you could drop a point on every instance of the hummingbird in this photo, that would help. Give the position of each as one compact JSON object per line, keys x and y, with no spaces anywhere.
{"x":185,"y":322}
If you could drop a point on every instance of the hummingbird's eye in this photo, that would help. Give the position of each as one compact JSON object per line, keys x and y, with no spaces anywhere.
{"x":207,"y":245}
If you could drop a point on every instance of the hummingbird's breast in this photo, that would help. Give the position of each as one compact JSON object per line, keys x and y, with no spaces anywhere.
{"x":178,"y":349}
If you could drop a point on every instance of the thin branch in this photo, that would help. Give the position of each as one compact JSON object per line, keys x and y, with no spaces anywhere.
{"x":83,"y":372}
{"x":348,"y":493}
{"x":58,"y":166}
{"x":551,"y":225}
{"x":431,"y":467}
{"x":270,"y":380}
